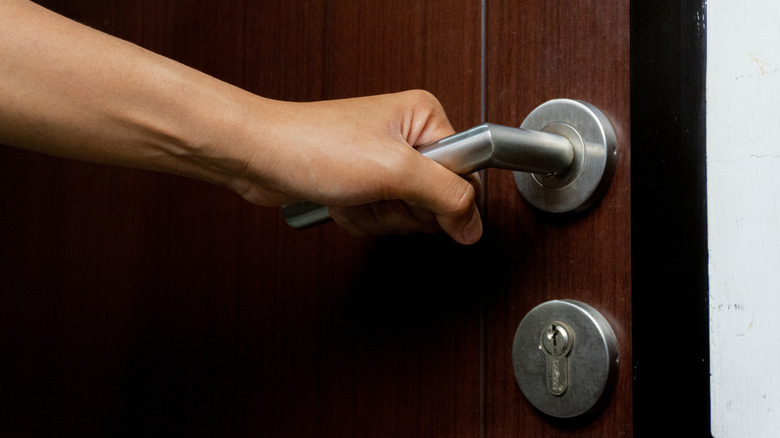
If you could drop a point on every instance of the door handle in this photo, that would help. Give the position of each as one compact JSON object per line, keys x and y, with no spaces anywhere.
{"x":563,"y":157}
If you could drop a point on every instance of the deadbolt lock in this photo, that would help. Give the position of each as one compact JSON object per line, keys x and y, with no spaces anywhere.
{"x":565,"y":357}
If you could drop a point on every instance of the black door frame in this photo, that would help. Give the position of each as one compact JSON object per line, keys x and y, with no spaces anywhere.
{"x":669,"y":219}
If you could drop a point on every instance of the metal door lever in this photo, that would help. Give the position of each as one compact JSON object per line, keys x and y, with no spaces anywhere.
{"x":563,"y":157}
{"x":486,"y":145}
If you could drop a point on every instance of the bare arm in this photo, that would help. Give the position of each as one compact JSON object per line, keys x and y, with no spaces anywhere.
{"x":71,"y":91}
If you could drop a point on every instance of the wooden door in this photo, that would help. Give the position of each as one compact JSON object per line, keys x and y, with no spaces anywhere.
{"x":538,"y":51}
{"x":139,"y":304}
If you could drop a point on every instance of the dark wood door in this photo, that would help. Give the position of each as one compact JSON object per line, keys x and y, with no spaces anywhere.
{"x":142,"y":304}
{"x":539,"y":51}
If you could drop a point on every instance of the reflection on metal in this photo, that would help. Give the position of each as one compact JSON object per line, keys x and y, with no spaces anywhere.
{"x":595,"y":157}
{"x":565,"y":357}
{"x":557,"y":341}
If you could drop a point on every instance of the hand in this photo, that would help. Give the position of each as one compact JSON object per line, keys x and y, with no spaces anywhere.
{"x":71,"y":91}
{"x":355,"y":156}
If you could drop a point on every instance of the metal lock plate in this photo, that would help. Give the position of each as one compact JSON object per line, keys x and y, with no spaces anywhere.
{"x":595,"y":157}
{"x":565,"y":357}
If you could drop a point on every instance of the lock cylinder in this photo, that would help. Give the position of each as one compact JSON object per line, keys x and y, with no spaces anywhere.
{"x":566,"y":358}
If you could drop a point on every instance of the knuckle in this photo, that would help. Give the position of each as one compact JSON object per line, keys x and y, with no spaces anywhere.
{"x":423,"y":98}
{"x":461,"y":198}
{"x":424,"y":95}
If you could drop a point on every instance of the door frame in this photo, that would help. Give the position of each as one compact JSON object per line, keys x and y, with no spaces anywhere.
{"x":669,"y":218}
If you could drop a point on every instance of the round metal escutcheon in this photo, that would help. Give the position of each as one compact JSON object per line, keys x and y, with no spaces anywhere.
{"x":591,"y":364}
{"x":595,"y":157}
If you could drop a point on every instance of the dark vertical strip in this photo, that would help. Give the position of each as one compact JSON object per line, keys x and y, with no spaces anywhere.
{"x":483,"y":209}
{"x":669,"y":222}
{"x":483,"y":62}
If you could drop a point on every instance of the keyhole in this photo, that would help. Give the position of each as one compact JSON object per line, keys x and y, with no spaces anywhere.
{"x":556,"y":340}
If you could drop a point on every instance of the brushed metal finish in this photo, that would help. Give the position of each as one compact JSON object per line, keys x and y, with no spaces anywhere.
{"x":595,"y":150}
{"x":586,"y":356}
{"x":557,"y":341}
{"x":501,"y":147}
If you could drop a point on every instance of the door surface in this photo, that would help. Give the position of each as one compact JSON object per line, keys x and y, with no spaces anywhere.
{"x":537,"y":51}
{"x":138,"y":304}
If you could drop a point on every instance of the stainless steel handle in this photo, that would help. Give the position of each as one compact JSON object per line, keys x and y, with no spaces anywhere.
{"x":563,"y":156}
{"x":486,"y":145}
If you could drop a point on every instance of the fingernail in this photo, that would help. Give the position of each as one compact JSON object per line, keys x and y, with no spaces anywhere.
{"x":473,"y":231}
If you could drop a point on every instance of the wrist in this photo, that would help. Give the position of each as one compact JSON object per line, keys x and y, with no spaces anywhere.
{"x":195,"y":126}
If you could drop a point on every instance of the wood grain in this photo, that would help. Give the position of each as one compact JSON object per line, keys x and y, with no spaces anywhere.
{"x":539,"y":51}
{"x":138,"y":304}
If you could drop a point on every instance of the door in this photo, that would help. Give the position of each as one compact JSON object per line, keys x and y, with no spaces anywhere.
{"x":537,"y":51}
{"x":144,"y":304}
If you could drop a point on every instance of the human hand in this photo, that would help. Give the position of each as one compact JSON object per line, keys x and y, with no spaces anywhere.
{"x":354,"y":155}
{"x":85,"y":95}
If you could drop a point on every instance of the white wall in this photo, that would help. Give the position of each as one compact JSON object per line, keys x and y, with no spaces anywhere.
{"x":743,"y":179}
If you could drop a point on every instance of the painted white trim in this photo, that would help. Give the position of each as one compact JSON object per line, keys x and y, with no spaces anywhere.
{"x":743,"y":186}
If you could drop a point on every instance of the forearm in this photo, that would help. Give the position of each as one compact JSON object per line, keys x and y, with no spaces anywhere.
{"x":71,"y":91}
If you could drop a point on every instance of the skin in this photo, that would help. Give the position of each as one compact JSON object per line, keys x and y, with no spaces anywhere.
{"x":71,"y":91}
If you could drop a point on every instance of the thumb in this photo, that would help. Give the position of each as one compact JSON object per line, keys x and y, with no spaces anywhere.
{"x":451,"y":198}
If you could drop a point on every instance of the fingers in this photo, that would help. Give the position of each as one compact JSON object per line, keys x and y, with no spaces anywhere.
{"x":457,"y":214}
{"x":450,"y":198}
{"x":453,"y":210}
{"x":370,"y":171}
{"x":465,"y":223}
{"x":384,"y":217}
{"x":429,"y":123}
